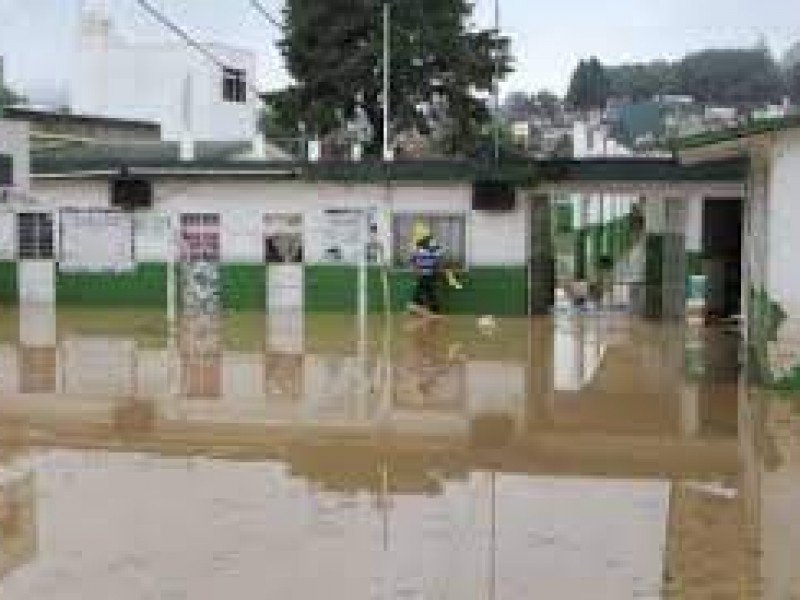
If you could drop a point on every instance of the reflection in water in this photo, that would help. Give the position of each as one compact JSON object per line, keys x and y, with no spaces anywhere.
{"x":576,"y":458}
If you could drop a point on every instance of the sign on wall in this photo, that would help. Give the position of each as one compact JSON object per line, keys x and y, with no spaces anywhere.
{"x":342,"y":233}
{"x":96,"y":241}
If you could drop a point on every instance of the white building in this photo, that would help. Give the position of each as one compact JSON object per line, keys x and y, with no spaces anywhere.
{"x":170,"y":84}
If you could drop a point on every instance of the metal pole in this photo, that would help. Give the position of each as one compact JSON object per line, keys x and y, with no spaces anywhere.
{"x":497,"y":86}
{"x":387,"y":65}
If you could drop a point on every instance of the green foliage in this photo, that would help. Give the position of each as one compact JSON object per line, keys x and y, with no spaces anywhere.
{"x":643,"y":81}
{"x":519,"y":106}
{"x":736,"y":76}
{"x":9,"y":97}
{"x":590,"y":86}
{"x":333,"y":49}
{"x":793,"y":82}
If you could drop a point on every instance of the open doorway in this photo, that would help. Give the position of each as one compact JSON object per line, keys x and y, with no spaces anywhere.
{"x":722,"y":256}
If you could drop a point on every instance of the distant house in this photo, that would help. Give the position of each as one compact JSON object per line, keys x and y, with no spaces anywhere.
{"x":49,"y":125}
{"x":169,"y":84}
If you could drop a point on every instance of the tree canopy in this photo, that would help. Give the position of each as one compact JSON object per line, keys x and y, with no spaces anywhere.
{"x":737,"y":76}
{"x":793,"y":82}
{"x":590,"y":86}
{"x":333,"y":50}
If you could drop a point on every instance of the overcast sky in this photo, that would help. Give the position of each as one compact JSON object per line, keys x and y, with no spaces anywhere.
{"x":36,"y":36}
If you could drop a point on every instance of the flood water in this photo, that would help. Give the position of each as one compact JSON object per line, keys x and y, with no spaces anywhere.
{"x":255,"y":456}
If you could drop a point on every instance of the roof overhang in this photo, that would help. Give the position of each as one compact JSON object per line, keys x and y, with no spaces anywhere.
{"x":738,"y":143}
{"x":664,"y":189}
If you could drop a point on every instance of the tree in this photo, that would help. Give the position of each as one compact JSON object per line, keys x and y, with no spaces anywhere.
{"x":643,"y":81}
{"x":518,"y":106}
{"x":333,"y":50}
{"x":793,"y":82}
{"x":590,"y":87}
{"x":9,"y":97}
{"x":735,"y":76}
{"x":548,"y":104}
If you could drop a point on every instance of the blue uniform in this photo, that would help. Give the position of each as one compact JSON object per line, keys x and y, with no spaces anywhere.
{"x":427,"y":260}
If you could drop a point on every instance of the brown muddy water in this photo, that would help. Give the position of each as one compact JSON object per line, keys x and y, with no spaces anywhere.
{"x":253,"y":456}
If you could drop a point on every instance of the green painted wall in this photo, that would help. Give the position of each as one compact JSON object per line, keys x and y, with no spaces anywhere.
{"x":487,"y":290}
{"x":612,"y":240}
{"x":243,"y":287}
{"x":8,"y":282}
{"x":144,"y":287}
{"x":500,"y":291}
{"x":330,"y":288}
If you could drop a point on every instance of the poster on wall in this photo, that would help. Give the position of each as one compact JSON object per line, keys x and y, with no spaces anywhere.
{"x":283,"y":238}
{"x":342,"y":235}
{"x":96,"y":241}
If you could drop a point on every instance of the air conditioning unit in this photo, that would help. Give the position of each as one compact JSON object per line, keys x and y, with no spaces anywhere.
{"x":493,"y":196}
{"x":131,"y":193}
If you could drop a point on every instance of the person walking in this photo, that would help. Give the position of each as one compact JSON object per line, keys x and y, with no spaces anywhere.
{"x":427,"y":263}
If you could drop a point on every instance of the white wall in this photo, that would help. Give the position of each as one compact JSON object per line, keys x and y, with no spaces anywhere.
{"x":115,"y":78}
{"x":784,"y":222}
{"x":492,"y":238}
{"x":14,"y":141}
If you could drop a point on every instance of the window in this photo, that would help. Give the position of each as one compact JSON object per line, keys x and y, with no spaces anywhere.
{"x":448,"y":230}
{"x":200,"y":233}
{"x":35,"y":236}
{"x":234,"y":85}
{"x":6,"y":170}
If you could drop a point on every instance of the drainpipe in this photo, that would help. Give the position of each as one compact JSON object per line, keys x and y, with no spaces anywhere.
{"x":187,"y":145}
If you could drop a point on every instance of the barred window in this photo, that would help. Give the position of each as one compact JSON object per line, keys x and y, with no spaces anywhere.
{"x":200,"y":237}
{"x":35,"y":236}
{"x":448,"y":230}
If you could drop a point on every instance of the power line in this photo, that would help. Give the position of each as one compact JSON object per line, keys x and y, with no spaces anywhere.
{"x":190,"y":41}
{"x":256,"y":4}
{"x":180,"y":32}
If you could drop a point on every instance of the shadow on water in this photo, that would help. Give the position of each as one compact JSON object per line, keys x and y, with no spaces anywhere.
{"x":581,"y":457}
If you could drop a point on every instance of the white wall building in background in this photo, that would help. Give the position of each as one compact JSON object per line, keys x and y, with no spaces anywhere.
{"x":171,"y":84}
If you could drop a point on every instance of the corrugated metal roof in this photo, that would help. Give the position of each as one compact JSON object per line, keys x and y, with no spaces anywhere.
{"x":733,"y":134}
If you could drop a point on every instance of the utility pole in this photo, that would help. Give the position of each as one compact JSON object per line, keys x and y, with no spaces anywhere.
{"x":497,"y":86}
{"x":387,"y":61}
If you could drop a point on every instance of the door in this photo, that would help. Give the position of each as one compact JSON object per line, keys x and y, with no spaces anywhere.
{"x":722,"y":252}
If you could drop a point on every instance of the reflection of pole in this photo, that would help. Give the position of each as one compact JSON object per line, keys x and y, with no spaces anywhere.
{"x":493,"y":540}
{"x":385,"y":502}
{"x":364,"y":377}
